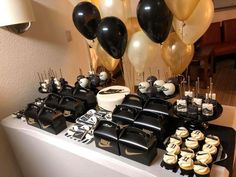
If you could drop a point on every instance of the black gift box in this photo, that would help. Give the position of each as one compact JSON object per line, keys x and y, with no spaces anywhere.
{"x":31,"y":114}
{"x":51,"y":121}
{"x":67,"y":90}
{"x":72,"y":108}
{"x":158,"y":106}
{"x":87,"y":96}
{"x":134,"y":101}
{"x":124,"y":115}
{"x":52,"y":101}
{"x":153,"y":123}
{"x":137,"y":145}
{"x":106,"y":136}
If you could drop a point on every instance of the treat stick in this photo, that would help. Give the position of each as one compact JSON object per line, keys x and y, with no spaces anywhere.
{"x":80,"y":71}
{"x":180,"y":91}
{"x":55,"y":74}
{"x":211,"y":85}
{"x":39,"y":77}
{"x":42,"y":77}
{"x":166,"y":76}
{"x":198,"y":86}
{"x":188,"y":83}
{"x":143,"y":76}
{"x":158,"y":74}
{"x":60,"y":73}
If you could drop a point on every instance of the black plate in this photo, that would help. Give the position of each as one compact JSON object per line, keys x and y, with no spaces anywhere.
{"x":218,"y":109}
{"x":160,"y":95}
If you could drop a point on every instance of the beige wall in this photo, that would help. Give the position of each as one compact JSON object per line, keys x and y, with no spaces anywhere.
{"x":224,"y":14}
{"x":21,"y":56}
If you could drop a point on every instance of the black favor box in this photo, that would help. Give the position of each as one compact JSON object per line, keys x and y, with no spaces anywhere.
{"x":124,"y":115}
{"x":52,"y":101}
{"x":158,"y":106}
{"x":87,"y":96}
{"x":106,"y":136}
{"x":153,"y":123}
{"x":51,"y":121}
{"x":133,"y":101}
{"x":137,"y":145}
{"x":72,"y":108}
{"x":31,"y":114}
{"x":67,"y":90}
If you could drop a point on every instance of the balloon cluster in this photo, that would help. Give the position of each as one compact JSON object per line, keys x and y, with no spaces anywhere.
{"x":152,"y":86}
{"x":110,"y":31}
{"x":189,"y":18}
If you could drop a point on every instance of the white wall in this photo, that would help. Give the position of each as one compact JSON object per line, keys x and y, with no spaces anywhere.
{"x":21,"y":56}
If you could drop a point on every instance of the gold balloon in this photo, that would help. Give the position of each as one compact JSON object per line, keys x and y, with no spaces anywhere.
{"x":181,"y":9}
{"x":176,"y":54}
{"x":197,"y":24}
{"x":106,"y":60}
{"x":141,"y":51}
{"x":117,"y":8}
{"x":132,"y":26}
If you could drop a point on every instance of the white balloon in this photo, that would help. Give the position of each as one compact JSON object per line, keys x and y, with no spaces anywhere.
{"x":141,"y":51}
{"x":112,"y":8}
{"x":143,"y":86}
{"x":169,"y":89}
{"x":158,"y":84}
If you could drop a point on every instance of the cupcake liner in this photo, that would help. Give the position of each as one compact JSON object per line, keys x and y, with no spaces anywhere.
{"x":206,"y":175}
{"x":188,"y":173}
{"x":172,"y":167}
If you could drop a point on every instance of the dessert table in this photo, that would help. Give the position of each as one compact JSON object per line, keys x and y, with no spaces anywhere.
{"x":41,"y":154}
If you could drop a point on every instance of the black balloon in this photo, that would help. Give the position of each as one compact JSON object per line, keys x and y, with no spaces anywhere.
{"x":86,"y":18}
{"x":112,"y":35}
{"x":155,"y":19}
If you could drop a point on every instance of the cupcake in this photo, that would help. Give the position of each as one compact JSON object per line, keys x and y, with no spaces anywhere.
{"x":210,"y":149}
{"x":169,"y":162}
{"x":192,"y":143}
{"x":186,"y":166}
{"x":173,"y":148}
{"x":182,"y":132}
{"x":213,"y":140}
{"x":198,"y":135}
{"x":204,"y":157}
{"x":186,"y":152}
{"x":175,"y":140}
{"x":201,"y":169}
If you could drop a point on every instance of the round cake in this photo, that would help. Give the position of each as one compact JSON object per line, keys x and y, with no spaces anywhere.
{"x":109,"y":97}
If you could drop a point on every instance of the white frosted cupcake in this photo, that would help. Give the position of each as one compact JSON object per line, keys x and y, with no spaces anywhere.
{"x":213,"y":140}
{"x":204,"y":157}
{"x":175,"y":140}
{"x":173,"y":148}
{"x":201,"y":169}
{"x":192,"y":143}
{"x":186,"y":152}
{"x":186,"y":166}
{"x":169,"y":162}
{"x":197,"y":134}
{"x":182,"y":132}
{"x":210,"y":149}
